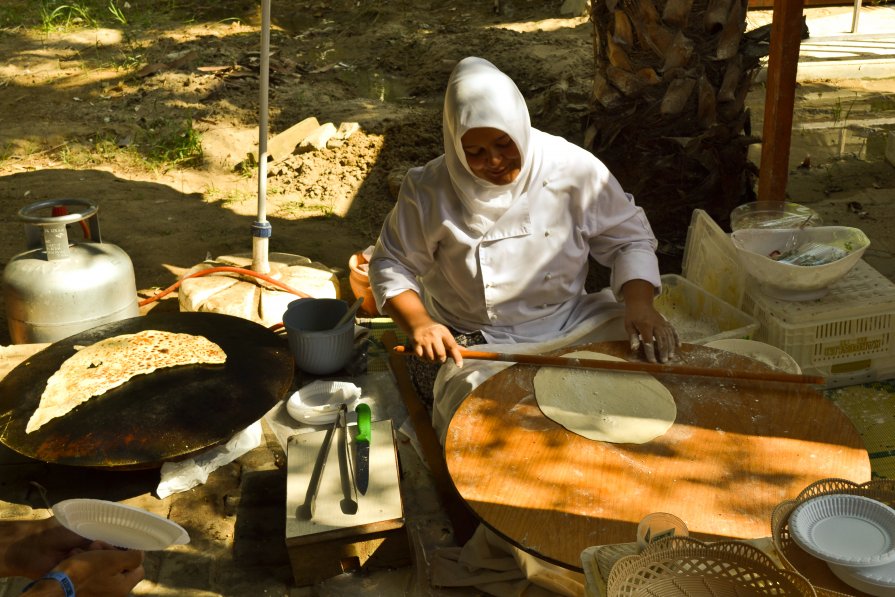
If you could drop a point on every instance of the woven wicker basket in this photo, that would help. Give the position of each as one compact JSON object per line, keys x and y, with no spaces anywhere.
{"x":686,"y":567}
{"x":795,"y":558}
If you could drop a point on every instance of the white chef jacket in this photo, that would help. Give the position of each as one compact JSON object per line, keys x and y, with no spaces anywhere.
{"x":523,"y":280}
{"x":510,"y":260}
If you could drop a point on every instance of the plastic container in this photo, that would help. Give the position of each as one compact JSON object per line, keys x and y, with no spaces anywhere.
{"x":317,"y":347}
{"x":760,"y":351}
{"x":798,"y":282}
{"x":711,"y":262}
{"x":699,"y":316}
{"x":360,"y":284}
{"x":772,"y":214}
{"x":848,"y":336}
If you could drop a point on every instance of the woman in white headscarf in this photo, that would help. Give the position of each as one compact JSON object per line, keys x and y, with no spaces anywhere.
{"x":492,"y":238}
{"x":488,"y":244}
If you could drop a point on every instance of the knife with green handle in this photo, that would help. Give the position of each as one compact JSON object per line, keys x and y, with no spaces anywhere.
{"x":362,"y":445}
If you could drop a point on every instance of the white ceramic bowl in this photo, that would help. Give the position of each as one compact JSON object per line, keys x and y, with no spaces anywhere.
{"x":797,"y":282}
{"x":769,"y":355}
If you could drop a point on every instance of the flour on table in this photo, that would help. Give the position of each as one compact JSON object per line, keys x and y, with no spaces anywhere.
{"x":611,"y":406}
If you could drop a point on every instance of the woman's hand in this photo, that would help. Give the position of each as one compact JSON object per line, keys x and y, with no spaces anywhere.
{"x":434,"y":341}
{"x":431,"y":340}
{"x":645,"y":325}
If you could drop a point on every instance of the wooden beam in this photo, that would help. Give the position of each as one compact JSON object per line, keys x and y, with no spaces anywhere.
{"x":783,"y":62}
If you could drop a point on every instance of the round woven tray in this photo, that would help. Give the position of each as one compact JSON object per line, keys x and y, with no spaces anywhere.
{"x":795,"y":558}
{"x":687,"y":567}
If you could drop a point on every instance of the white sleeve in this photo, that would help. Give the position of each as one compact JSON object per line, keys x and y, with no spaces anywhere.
{"x":402,"y":252}
{"x":625,"y":241}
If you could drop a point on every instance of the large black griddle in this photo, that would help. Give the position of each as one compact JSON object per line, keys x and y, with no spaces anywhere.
{"x":169,"y":414}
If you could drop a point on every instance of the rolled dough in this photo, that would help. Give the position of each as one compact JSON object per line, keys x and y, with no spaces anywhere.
{"x":609,"y":406}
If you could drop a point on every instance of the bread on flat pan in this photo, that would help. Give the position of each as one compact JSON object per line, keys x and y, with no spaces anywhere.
{"x":109,"y":363}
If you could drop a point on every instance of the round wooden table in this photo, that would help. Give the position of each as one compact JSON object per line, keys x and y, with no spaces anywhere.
{"x":735,"y":451}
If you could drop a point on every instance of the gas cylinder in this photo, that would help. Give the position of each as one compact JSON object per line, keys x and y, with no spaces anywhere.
{"x":57,"y":287}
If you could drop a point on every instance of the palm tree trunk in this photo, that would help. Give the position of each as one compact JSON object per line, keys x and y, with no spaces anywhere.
{"x":668,"y":110}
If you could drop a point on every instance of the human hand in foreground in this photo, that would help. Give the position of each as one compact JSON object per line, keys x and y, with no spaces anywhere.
{"x":32,"y":548}
{"x":645,"y":325}
{"x":98,"y":571}
{"x":431,"y":340}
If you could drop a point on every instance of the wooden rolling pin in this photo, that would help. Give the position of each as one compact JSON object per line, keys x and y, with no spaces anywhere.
{"x":639,"y":367}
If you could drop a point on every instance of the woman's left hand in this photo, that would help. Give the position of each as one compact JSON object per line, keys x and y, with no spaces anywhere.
{"x":645,"y":325}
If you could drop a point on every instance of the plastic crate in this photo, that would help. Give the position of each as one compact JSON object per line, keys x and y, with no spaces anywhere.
{"x":848,"y":336}
{"x":699,"y":316}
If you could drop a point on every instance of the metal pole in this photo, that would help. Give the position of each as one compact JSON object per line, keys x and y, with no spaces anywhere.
{"x":261,"y":230}
{"x":856,"y":16}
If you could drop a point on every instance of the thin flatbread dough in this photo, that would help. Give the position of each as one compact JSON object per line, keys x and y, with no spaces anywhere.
{"x":609,"y":406}
{"x":109,"y":363}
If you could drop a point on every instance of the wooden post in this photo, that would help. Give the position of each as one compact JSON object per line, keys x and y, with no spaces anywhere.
{"x":783,"y":62}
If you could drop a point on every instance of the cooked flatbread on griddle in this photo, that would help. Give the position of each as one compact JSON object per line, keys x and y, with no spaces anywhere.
{"x":96,"y":369}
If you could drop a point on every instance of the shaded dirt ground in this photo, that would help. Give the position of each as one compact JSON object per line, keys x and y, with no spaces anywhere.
{"x":75,"y":123}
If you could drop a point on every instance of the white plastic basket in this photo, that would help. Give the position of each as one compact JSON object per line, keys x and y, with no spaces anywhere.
{"x":848,"y":336}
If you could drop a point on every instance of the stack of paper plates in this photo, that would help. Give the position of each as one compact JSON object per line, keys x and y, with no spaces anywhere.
{"x":855,"y":535}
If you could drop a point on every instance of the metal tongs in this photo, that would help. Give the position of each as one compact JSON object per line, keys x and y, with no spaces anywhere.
{"x":317,"y":474}
{"x":349,"y":502}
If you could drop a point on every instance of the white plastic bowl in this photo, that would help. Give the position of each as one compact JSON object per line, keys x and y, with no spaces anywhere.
{"x":797,"y":282}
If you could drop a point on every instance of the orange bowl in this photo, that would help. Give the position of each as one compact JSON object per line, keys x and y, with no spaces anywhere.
{"x":360,"y":285}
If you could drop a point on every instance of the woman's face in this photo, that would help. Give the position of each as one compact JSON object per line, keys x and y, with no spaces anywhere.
{"x":491,"y":155}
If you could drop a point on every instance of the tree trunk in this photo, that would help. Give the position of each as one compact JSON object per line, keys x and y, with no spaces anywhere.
{"x":668,"y":110}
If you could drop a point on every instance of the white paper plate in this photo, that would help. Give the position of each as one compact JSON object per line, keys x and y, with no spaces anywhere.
{"x":318,"y":402}
{"x":849,"y":530}
{"x":119,"y":525}
{"x":875,"y":580}
{"x":765,"y":353}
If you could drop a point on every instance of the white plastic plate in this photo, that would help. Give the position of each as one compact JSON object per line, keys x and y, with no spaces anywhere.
{"x":849,"y":530}
{"x":318,"y":402}
{"x":119,"y":525}
{"x":873,"y":580}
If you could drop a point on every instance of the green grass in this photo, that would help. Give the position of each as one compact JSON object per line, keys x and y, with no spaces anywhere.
{"x":173,"y":145}
{"x":232,"y":197}
{"x":66,"y":16}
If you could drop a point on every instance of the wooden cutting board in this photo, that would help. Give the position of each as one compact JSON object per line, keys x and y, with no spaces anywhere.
{"x":735,"y":451}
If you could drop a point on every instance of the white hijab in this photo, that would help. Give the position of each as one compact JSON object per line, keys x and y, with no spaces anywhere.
{"x":479,"y":95}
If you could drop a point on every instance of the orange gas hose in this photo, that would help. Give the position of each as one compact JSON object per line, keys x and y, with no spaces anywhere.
{"x":222,"y":268}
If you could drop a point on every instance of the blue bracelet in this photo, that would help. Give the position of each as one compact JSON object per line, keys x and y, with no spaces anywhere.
{"x":67,"y":587}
